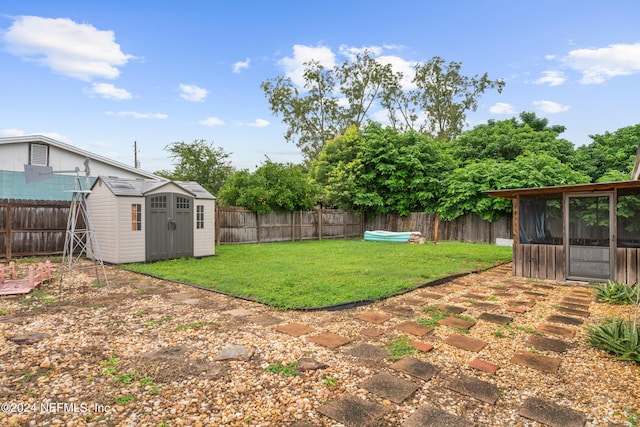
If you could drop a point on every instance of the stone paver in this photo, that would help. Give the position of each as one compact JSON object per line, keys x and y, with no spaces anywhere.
{"x":422,"y":346}
{"x":556,"y":330}
{"x":430,"y":295}
{"x":452,"y":308}
{"x":454,"y":322}
{"x":547,"y":344}
{"x":415,"y":367}
{"x":294,"y":329}
{"x":520,"y":303}
{"x":575,"y":306}
{"x":473,"y":387}
{"x":234,"y":352}
{"x":485,"y":305}
{"x":573,"y":312}
{"x":372,"y":332}
{"x":474,"y":296}
{"x":483,"y":365}
{"x":353,"y":411}
{"x":29,"y":338}
{"x":368,"y":351}
{"x":399,"y":310}
{"x":390,"y":387}
{"x":373,"y":317}
{"x":414,"y":328}
{"x":579,"y":301}
{"x":265,"y":320}
{"x":238,"y":312}
{"x":519,"y":310}
{"x":329,"y":340}
{"x":555,"y":318}
{"x":414,"y":301}
{"x":465,"y":343}
{"x":551,"y":413}
{"x":537,"y":361}
{"x":495,"y":318}
{"x":430,"y":416}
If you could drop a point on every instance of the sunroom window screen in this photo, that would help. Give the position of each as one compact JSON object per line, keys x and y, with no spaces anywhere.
{"x":540,"y":220}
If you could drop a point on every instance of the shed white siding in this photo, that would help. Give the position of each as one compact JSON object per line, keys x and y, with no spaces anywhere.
{"x":204,"y":238}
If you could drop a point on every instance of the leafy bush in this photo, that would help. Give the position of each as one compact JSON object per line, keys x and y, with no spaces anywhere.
{"x":618,"y":337}
{"x":617,"y":293}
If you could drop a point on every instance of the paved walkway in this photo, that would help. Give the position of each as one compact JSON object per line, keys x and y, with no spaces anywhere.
{"x":500,"y":302}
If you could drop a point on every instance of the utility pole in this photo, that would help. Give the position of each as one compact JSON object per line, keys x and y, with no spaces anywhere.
{"x":135,"y":155}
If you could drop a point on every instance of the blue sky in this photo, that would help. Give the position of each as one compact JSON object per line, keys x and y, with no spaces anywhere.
{"x":101,"y":75}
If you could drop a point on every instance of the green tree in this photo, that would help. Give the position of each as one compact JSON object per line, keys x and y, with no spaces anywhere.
{"x":508,"y":139}
{"x":380,"y":169}
{"x":465,"y":185}
{"x":272,"y":187}
{"x":609,"y":152}
{"x":199,"y":161}
{"x":445,"y":96}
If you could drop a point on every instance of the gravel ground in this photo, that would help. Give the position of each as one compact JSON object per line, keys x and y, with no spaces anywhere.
{"x":142,"y":352}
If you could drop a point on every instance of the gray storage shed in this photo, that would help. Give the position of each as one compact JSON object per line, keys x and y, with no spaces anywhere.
{"x":142,"y":220}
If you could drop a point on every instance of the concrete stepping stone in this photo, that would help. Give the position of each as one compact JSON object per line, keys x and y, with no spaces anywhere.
{"x":582,"y":293}
{"x":353,"y":411}
{"x":535,"y":294}
{"x":430,"y":416}
{"x":483,"y":365}
{"x":265,"y":320}
{"x":519,"y":303}
{"x":473,"y":387}
{"x":551,"y":413}
{"x":415,"y":367}
{"x":368,"y":351}
{"x":399,"y":310}
{"x":545,"y":287}
{"x":294,"y":329}
{"x":556,"y":330}
{"x":452,"y":308}
{"x":536,"y":361}
{"x":573,"y":312}
{"x":234,"y":352}
{"x":430,"y":295}
{"x":519,"y":310}
{"x":474,"y":296}
{"x":454,"y":322}
{"x":564,"y":320}
{"x":485,"y":305}
{"x":373,"y":317}
{"x":308,"y":364}
{"x":371,"y":332}
{"x":495,"y":318}
{"x":390,"y":387}
{"x":330,"y":340}
{"x":502,"y":293}
{"x":547,"y":344}
{"x":414,"y":301}
{"x":575,"y":306}
{"x":580,"y":301}
{"x":29,"y":338}
{"x":422,"y":346}
{"x":238,"y":312}
{"x":465,"y":343}
{"x":414,"y":328}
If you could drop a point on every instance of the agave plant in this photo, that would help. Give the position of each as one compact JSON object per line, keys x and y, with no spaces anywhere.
{"x":617,"y":292}
{"x":618,"y":337}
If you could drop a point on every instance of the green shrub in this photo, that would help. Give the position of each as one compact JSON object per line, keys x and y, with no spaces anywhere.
{"x":618,"y":337}
{"x":617,"y":293}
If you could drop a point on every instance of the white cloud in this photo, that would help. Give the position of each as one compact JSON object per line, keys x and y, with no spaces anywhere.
{"x":552,"y":78}
{"x":599,"y":65}
{"x":241,"y":65}
{"x":137,"y":115}
{"x":403,"y":66}
{"x":211,"y":121}
{"x":294,"y":66}
{"x":11,"y":132}
{"x":66,"y":47}
{"x":257,"y":123}
{"x":20,"y":132}
{"x":502,"y":108}
{"x":550,"y":107}
{"x":351,"y":52}
{"x":109,"y":91}
{"x":193,"y":93}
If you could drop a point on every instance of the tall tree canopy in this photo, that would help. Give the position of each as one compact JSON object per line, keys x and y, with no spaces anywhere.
{"x":615,"y":151}
{"x":380,"y":169}
{"x":331,"y":100}
{"x":272,"y":187}
{"x":199,"y":161}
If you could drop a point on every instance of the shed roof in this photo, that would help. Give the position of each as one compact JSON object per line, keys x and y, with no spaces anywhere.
{"x":576,"y":188}
{"x":134,"y":187}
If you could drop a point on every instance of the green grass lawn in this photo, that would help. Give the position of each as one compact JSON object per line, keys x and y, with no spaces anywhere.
{"x":293,"y":275}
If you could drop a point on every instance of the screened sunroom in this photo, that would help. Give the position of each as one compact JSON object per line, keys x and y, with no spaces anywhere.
{"x":586,"y":232}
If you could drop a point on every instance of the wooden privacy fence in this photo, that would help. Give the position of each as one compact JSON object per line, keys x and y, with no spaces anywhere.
{"x":32,"y":228}
{"x":239,"y":225}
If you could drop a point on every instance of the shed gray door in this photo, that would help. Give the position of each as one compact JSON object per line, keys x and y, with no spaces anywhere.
{"x":590,"y":237}
{"x":169,"y":226}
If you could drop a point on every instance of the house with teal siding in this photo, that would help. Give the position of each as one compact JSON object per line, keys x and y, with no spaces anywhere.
{"x":38,"y":150}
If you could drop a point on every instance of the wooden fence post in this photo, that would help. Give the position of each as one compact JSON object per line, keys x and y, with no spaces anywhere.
{"x":320,"y":223}
{"x":9,"y":238}
{"x":436,"y":225}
